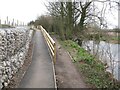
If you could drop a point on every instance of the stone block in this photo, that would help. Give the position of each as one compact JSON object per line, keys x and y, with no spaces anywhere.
{"x":14,"y":45}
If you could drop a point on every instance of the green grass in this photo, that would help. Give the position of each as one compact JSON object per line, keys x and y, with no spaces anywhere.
{"x":6,"y":26}
{"x":103,"y":38}
{"x":92,"y":69}
{"x":116,"y":38}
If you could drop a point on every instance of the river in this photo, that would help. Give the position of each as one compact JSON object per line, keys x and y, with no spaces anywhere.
{"x":108,"y":53}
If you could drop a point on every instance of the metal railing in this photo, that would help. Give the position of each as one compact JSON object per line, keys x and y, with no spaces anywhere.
{"x":50,"y":42}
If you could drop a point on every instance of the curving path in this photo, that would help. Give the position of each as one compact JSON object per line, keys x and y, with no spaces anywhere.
{"x":40,"y":72}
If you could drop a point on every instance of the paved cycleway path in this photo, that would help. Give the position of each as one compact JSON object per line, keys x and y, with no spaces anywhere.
{"x":40,"y":72}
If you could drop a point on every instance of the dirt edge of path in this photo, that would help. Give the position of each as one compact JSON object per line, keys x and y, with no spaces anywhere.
{"x":15,"y":81}
{"x":67,"y":76}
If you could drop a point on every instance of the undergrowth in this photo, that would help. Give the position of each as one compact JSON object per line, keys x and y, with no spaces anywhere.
{"x":92,"y":69}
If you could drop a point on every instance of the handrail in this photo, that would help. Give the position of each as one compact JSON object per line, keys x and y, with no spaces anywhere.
{"x":50,"y":42}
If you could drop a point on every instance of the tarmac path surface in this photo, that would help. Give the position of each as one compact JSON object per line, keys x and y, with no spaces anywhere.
{"x":40,"y":72}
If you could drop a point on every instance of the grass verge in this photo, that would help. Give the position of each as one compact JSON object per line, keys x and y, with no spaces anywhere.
{"x":93,"y":69}
{"x":5,"y":26}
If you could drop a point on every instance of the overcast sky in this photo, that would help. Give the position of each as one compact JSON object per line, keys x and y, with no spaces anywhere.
{"x":22,"y":10}
{"x":27,"y":10}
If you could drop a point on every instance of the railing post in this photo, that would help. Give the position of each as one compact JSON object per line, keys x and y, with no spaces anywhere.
{"x":54,"y":57}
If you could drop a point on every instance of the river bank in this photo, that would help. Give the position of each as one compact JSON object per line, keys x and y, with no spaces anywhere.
{"x":67,"y":76}
{"x":107,"y":52}
{"x":92,"y":69}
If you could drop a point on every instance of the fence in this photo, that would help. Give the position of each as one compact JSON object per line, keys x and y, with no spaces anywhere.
{"x":50,"y":42}
{"x":11,"y":22}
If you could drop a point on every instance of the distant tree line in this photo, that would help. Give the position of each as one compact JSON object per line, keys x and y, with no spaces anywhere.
{"x":71,"y":20}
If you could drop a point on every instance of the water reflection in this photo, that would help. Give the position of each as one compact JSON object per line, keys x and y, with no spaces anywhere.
{"x":108,"y":53}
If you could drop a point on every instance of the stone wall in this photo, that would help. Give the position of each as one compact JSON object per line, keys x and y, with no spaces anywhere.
{"x":14,"y":44}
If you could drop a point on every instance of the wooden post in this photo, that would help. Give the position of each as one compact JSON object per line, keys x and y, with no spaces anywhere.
{"x":9,"y":23}
{"x":54,"y":58}
{"x":17,"y":22}
{"x":13,"y":22}
{"x":7,"y":20}
{"x":0,"y":21}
